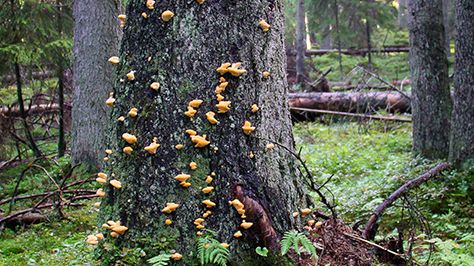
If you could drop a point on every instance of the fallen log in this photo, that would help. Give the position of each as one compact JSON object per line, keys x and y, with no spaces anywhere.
{"x":33,"y":110}
{"x":363,"y":116}
{"x":358,"y":52}
{"x":370,"y":227}
{"x":352,"y":102}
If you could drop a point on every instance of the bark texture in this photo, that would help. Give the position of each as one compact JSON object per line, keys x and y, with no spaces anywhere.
{"x":182,"y":55}
{"x":462,"y":138}
{"x":96,"y":38}
{"x":431,"y":101}
{"x":402,"y":13}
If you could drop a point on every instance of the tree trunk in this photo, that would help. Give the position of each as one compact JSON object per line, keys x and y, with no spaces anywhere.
{"x":182,"y":55}
{"x":300,"y":42}
{"x":60,"y":75}
{"x":462,"y":138}
{"x":447,"y":36}
{"x":402,"y":13}
{"x":96,"y":38}
{"x":431,"y":101}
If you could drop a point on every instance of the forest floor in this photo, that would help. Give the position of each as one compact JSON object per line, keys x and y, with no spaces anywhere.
{"x":367,"y":162}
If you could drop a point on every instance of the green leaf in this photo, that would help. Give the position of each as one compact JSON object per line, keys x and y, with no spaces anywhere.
{"x":262,"y":251}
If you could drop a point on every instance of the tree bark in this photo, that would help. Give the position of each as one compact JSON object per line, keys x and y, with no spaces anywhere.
{"x":462,"y":136}
{"x":431,"y":101}
{"x":267,"y":183}
{"x":300,"y":42}
{"x":447,"y":35}
{"x":96,"y":38}
{"x":402,"y":13}
{"x":60,"y":75}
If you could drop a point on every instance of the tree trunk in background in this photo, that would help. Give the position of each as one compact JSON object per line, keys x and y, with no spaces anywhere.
{"x":96,"y":38}
{"x":431,"y":101}
{"x":60,"y":75}
{"x":182,"y":55}
{"x":447,"y":35}
{"x":462,"y":138}
{"x":402,"y":13}
{"x":300,"y":42}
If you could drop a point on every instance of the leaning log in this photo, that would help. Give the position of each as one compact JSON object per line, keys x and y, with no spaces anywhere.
{"x":353,"y":102}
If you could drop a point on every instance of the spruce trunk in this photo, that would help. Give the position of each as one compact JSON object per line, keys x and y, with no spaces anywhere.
{"x":182,"y":55}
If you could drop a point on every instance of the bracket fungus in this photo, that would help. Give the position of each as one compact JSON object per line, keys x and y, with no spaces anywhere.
{"x":223,"y":106}
{"x":129,"y":138}
{"x":248,"y":128}
{"x":101,"y":180}
{"x":121,"y":119}
{"x":151,"y":149}
{"x":100,"y":193}
{"x":266,"y":74}
{"x":168,"y":222}
{"x":114,"y":60}
{"x":145,"y":15}
{"x":191,"y":132}
{"x":111,"y":100}
{"x":305,"y":212}
{"x":191,"y":112}
{"x":235,"y":70}
{"x":207,"y":190}
{"x":193,"y":165}
{"x":122,"y":18}
{"x":223,"y":68}
{"x":264,"y":25}
{"x":185,"y":184}
{"x":170,"y":207}
{"x":115,"y":183}
{"x":167,"y":15}
{"x":210,"y":117}
{"x":254,"y":108}
{"x":209,"y":179}
{"x":237,"y":234}
{"x":246,"y":225}
{"x":195,"y":103}
{"x":176,"y":256}
{"x":179,"y":146}
{"x":182,"y":177}
{"x":150,"y":4}
{"x":97,"y":204}
{"x":155,"y":86}
{"x":208,"y":203}
{"x":200,"y":141}
{"x":270,"y":146}
{"x":131,"y":75}
{"x":225,"y":245}
{"x":200,"y":1}
{"x":127,"y":150}
{"x":108,"y":151}
{"x":92,"y":240}
{"x":133,"y":112}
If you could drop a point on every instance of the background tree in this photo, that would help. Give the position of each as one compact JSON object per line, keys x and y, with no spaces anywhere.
{"x":431,"y":100}
{"x":96,"y":38}
{"x":246,"y":167}
{"x":300,"y":42}
{"x":462,"y":138}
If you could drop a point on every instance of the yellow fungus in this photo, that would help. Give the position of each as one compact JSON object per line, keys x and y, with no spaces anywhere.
{"x":150,"y":4}
{"x":111,"y":100}
{"x":270,"y":146}
{"x":131,"y":75}
{"x":191,"y":132}
{"x":241,"y":211}
{"x":151,"y":149}
{"x":127,"y":150}
{"x":170,"y":207}
{"x":200,"y":141}
{"x":237,"y":204}
{"x":101,"y":180}
{"x":99,"y":236}
{"x":251,"y":155}
{"x":195,"y":103}
{"x":155,"y":86}
{"x":102,"y":175}
{"x":182,"y":177}
{"x":208,"y":203}
{"x":167,"y":15}
{"x":193,"y":165}
{"x":100,"y":192}
{"x":219,"y":97}
{"x":121,"y":119}
{"x":295,"y":214}
{"x":92,"y":240}
{"x":318,"y":224}
{"x":206,"y":214}
{"x":144,"y":15}
{"x":254,"y":108}
{"x":97,"y":204}
{"x":120,"y":229}
{"x":222,"y":79}
{"x":179,"y":146}
{"x":122,"y":18}
{"x":246,"y":225}
{"x":115,"y":183}
{"x":209,"y":179}
{"x":264,"y":25}
{"x":265,"y":74}
{"x":223,"y":68}
{"x":213,"y":173}
{"x":133,"y":112}
{"x":200,"y":226}
{"x":207,"y":189}
{"x":225,"y":245}
{"x":247,"y":127}
{"x":200,"y":1}
{"x":176,"y":256}
{"x":311,"y":222}
{"x":114,"y":234}
{"x":198,"y":221}
{"x":199,"y":233}
{"x":185,"y":184}
{"x":243,"y":216}
{"x":129,"y":138}
{"x":114,"y":60}
{"x":223,"y":106}
{"x":108,"y":151}
{"x":305,"y":212}
{"x":237,"y":234}
{"x":106,"y":159}
{"x":191,"y":112}
{"x":210,"y":117}
{"x":168,"y":221}
{"x":235,"y":70}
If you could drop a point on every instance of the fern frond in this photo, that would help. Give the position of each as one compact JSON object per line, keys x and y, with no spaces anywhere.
{"x":160,"y":260}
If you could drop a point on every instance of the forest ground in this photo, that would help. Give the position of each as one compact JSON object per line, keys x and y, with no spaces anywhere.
{"x":368,"y":161}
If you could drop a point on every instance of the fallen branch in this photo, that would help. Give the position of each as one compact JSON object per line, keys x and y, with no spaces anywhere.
{"x":376,"y":245}
{"x":370,"y":228}
{"x":359,"y":52}
{"x":37,"y":109}
{"x":371,"y":117}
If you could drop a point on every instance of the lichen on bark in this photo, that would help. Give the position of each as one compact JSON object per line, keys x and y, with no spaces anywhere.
{"x":182,"y":56}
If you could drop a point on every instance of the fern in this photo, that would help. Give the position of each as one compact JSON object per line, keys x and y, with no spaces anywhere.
{"x":296,"y":240}
{"x":211,"y":251}
{"x":160,"y":260}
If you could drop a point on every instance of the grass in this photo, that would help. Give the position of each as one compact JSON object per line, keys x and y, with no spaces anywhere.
{"x":367,"y":161}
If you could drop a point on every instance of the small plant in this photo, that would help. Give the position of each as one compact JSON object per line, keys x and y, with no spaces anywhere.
{"x":212,"y":251}
{"x":160,"y":260}
{"x":298,"y":241}
{"x":261,"y":251}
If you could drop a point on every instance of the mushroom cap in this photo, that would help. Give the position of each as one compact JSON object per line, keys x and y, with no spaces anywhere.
{"x":195,"y":103}
{"x":207,"y":189}
{"x":237,"y":234}
{"x":176,"y":256}
{"x":129,"y":138}
{"x":115,"y":183}
{"x":167,"y":15}
{"x":208,"y":203}
{"x":182,"y":177}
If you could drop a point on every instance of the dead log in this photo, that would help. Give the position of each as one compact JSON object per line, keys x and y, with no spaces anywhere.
{"x":370,"y":228}
{"x":352,"y":102}
{"x":360,"y":116}
{"x":38,"y":109}
{"x":358,"y":52}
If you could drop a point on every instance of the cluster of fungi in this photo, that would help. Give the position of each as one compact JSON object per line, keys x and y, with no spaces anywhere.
{"x":199,"y":141}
